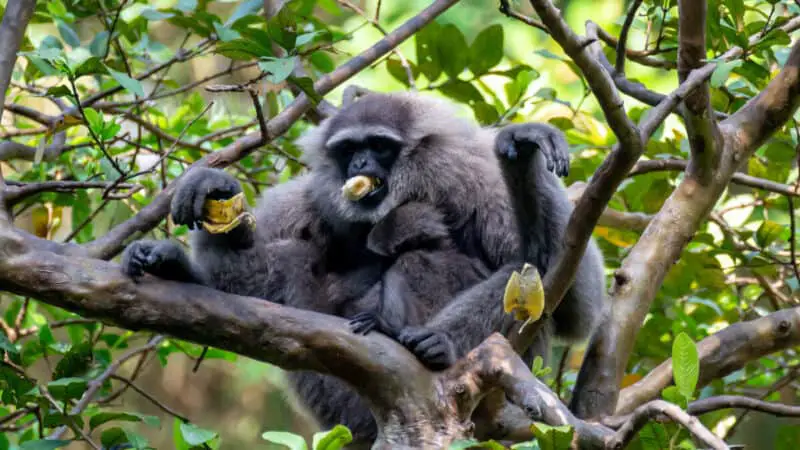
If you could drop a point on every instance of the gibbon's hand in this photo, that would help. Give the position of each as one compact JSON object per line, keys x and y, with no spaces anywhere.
{"x":198,"y":186}
{"x":163,"y":259}
{"x":522,"y":141}
{"x":433,"y":348}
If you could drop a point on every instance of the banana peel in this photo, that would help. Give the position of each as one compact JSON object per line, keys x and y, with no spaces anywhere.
{"x":524,"y":295}
{"x":222,"y":216}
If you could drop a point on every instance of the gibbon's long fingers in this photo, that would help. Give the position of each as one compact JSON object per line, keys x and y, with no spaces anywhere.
{"x":198,"y":203}
{"x":563,"y":157}
{"x":548,"y":151}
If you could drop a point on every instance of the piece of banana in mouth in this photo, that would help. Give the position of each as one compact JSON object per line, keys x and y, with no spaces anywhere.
{"x":359,"y":186}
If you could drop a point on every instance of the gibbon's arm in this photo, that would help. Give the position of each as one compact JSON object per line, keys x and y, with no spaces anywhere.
{"x":528,"y":155}
{"x":532,"y":157}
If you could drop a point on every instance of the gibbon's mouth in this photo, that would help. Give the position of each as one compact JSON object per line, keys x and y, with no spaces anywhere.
{"x":365,"y":189}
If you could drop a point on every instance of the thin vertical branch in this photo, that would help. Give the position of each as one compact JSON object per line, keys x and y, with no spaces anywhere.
{"x":623,"y":37}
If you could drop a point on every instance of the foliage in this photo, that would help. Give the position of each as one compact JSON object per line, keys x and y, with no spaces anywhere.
{"x":88,"y":69}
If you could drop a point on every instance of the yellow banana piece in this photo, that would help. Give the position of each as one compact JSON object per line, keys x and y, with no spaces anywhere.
{"x":355,"y":188}
{"x":223,"y":216}
{"x":524,"y":295}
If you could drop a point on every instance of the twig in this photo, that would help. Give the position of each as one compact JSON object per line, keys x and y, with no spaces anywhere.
{"x":68,"y":417}
{"x":793,"y":238}
{"x":710,"y":404}
{"x":505,"y":8}
{"x":19,"y":191}
{"x":654,"y":165}
{"x":640,"y":57}
{"x":374,"y":22}
{"x":149,"y":397}
{"x":656,"y":408}
{"x":623,"y":36}
{"x":96,"y":384}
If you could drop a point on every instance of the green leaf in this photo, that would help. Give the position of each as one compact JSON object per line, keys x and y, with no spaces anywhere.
{"x":673,"y":395}
{"x":226,"y":34}
{"x":186,"y":6}
{"x":44,"y":444}
{"x":92,"y":66}
{"x":769,"y":232}
{"x":245,"y":8}
{"x":243,"y":49}
{"x":487,"y":50}
{"x":154,"y":14}
{"x":68,"y":34}
{"x":279,"y":68}
{"x":7,"y":346}
{"x":654,"y":436}
{"x":94,"y":120}
{"x":427,"y":55}
{"x":553,"y":438}
{"x":99,"y":43}
{"x":723,"y":71}
{"x":103,"y":417}
{"x":452,"y":50}
{"x":685,"y":364}
{"x":305,"y":38}
{"x":462,"y":91}
{"x":485,"y":113}
{"x":132,"y":85}
{"x":291,"y":440}
{"x":398,"y":72}
{"x":334,"y":439}
{"x":67,"y":388}
{"x":194,"y":435}
{"x":58,"y":91}
{"x":113,"y":436}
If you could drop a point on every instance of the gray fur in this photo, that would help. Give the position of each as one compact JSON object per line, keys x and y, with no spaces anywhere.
{"x":490,"y":207}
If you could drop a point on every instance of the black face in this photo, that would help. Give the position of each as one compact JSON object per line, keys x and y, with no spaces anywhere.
{"x":373,"y":156}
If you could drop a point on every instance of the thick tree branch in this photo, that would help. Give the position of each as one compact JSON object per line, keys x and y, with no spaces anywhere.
{"x":10,"y":150}
{"x":764,"y":114}
{"x":114,"y":241}
{"x":720,"y":354}
{"x":704,"y":138}
{"x":642,"y":272}
{"x":12,"y":29}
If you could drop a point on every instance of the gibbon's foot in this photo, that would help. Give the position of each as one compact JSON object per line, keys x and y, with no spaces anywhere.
{"x":521,"y":141}
{"x":433,"y":348}
{"x":160,"y":258}
{"x":198,"y":186}
{"x":363,"y":323}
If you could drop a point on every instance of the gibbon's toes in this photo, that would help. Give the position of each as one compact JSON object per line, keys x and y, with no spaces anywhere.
{"x":135,"y":259}
{"x":431,"y":347}
{"x":363,"y":323}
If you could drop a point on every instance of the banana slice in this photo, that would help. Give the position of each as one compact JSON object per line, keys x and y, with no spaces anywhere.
{"x":524,"y":295}
{"x":359,"y":186}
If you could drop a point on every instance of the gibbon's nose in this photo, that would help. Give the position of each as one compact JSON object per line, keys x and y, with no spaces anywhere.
{"x":358,"y":163}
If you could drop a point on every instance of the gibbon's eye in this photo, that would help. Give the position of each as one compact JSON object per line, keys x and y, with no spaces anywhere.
{"x":384,"y":147}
